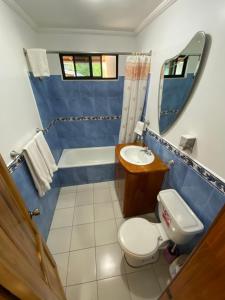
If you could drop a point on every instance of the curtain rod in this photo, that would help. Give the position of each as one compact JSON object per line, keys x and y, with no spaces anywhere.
{"x":83,"y":52}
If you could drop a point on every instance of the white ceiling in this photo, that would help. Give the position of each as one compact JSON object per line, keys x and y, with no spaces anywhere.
{"x":116,"y":15}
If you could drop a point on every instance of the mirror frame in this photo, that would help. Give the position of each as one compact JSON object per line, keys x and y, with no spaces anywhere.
{"x":193,"y":85}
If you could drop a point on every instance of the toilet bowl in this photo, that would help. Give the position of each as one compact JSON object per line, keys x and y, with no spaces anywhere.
{"x":141,"y":240}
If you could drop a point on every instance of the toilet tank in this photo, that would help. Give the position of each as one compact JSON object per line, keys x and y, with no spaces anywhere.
{"x":178,"y":220}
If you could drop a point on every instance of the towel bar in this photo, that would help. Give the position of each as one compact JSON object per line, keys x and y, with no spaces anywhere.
{"x":14,"y":154}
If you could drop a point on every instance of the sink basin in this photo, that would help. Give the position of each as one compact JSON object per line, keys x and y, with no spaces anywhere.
{"x":135,"y":155}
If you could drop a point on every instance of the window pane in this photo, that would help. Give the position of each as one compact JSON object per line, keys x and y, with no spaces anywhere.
{"x":166,"y":69}
{"x":68,"y":66}
{"x":179,"y":68}
{"x":180,"y":65}
{"x":82,"y":66}
{"x":109,"y":66}
{"x":96,"y":66}
{"x":173,"y":64}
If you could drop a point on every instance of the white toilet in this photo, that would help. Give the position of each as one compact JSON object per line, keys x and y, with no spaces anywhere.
{"x":141,"y":239}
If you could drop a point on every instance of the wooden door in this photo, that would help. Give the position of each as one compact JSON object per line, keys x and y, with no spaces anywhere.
{"x":203,"y":275}
{"x":27,"y":269}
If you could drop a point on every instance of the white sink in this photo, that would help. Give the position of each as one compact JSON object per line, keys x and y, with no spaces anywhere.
{"x":136,"y":155}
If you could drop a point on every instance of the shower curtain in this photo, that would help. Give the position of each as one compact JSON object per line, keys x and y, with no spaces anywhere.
{"x":136,"y":76}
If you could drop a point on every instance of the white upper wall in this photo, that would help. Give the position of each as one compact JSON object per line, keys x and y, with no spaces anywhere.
{"x":204,"y":115}
{"x":75,"y":41}
{"x":123,"y":15}
{"x":18,"y":114}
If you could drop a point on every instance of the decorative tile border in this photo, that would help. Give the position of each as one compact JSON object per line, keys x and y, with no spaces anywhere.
{"x":80,"y":118}
{"x":87,"y":118}
{"x":19,"y":158}
{"x":51,"y":124}
{"x":200,"y":170}
{"x":168,"y":112}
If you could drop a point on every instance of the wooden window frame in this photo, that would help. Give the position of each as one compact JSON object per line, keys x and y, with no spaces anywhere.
{"x":89,"y":55}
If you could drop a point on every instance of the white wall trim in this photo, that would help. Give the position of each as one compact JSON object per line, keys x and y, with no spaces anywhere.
{"x":17,"y":9}
{"x":84,"y":31}
{"x":156,"y":12}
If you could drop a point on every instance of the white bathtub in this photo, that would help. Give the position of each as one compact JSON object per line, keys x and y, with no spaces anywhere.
{"x":82,"y":157}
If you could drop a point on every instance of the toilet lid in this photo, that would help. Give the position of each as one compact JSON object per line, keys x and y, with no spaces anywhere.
{"x":139,"y":237}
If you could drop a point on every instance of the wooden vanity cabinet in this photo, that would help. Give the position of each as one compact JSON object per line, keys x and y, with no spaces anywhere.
{"x":137,"y":187}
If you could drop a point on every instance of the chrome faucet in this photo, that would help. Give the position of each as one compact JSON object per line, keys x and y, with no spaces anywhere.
{"x":147,"y":150}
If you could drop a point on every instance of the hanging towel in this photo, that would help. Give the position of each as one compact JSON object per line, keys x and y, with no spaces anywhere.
{"x":37,"y":167}
{"x":46,"y":153}
{"x":38,"y":62}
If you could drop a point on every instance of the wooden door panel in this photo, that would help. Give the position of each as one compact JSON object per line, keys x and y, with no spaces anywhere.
{"x":164,"y":296}
{"x":6,"y":295}
{"x":27,"y":269}
{"x":15,"y":228}
{"x":14,"y":268}
{"x":52,"y":272}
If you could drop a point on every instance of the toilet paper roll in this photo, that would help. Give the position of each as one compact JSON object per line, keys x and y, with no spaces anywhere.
{"x":139,"y":128}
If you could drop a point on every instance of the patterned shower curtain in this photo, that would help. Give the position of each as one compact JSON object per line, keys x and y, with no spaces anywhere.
{"x":136,"y":76}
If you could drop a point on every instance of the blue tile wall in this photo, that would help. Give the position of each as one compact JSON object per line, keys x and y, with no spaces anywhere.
{"x":43,"y":99}
{"x":59,"y":98}
{"x":88,"y":133}
{"x":203,"y":198}
{"x":46,"y":204}
{"x":176,"y":90}
{"x":90,"y":174}
{"x":53,"y":141}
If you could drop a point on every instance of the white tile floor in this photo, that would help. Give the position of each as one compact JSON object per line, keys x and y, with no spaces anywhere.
{"x":83,"y":241}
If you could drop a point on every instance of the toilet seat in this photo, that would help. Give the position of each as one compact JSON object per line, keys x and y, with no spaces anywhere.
{"x":139,"y":237}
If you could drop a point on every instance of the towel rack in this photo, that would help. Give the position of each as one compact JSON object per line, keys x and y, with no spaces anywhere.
{"x":14,"y":154}
{"x":103,"y":52}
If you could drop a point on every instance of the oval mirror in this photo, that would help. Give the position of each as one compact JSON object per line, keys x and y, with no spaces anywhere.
{"x":178,"y":76}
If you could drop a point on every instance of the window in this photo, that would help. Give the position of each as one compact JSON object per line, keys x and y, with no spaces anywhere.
{"x":176,"y":67}
{"x":89,"y":66}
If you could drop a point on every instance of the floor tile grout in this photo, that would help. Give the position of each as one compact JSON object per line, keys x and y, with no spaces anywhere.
{"x":121,"y":275}
{"x":96,"y":246}
{"x":69,"y":256}
{"x":95,"y":260}
{"x":94,"y":203}
{"x":56,"y":228}
{"x":65,"y":207}
{"x":156,"y":276}
{"x":125,"y":273}
{"x":105,"y":220}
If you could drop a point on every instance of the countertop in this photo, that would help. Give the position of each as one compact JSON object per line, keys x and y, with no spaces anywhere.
{"x":156,"y":166}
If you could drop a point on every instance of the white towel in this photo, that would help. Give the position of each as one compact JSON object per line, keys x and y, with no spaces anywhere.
{"x":46,"y":153}
{"x":139,"y":128}
{"x":37,"y":167}
{"x":38,"y":62}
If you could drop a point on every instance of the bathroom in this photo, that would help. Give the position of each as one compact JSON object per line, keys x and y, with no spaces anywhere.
{"x":97,"y":204}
